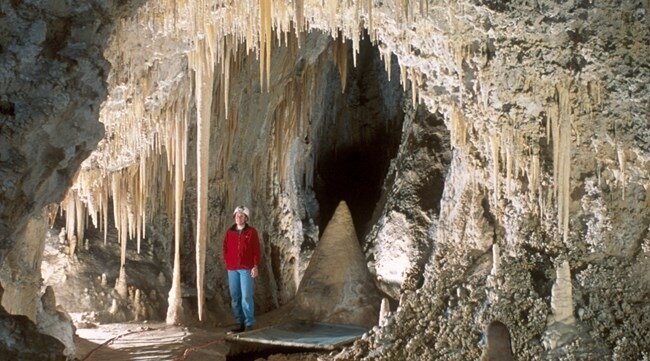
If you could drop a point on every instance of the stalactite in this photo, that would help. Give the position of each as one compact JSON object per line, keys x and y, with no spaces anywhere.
{"x":104,"y":192}
{"x":561,"y":133}
{"x":402,"y":76}
{"x":371,"y":27}
{"x":80,"y":212}
{"x":534,"y":176}
{"x":226,"y":74}
{"x":266,"y":12}
{"x":508,"y":153}
{"x":70,"y":212}
{"x":204,"y":80}
{"x":458,"y":128}
{"x":387,"y":61}
{"x":620,"y":152}
{"x":175,"y":306}
{"x":494,"y":149}
{"x":414,"y":86}
{"x":340,"y":55}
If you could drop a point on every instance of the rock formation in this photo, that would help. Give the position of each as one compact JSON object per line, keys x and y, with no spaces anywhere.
{"x":51,"y":321}
{"x":498,"y":346}
{"x":510,"y":136}
{"x":21,"y":340}
{"x":337,"y":286}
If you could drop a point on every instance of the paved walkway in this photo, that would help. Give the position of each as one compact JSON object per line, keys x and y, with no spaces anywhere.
{"x":117,"y":342}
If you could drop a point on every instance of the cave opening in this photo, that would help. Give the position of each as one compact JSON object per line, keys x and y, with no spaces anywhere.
{"x":361,"y":132}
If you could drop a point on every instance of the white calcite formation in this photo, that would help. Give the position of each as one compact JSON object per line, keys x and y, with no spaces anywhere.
{"x":561,"y":322}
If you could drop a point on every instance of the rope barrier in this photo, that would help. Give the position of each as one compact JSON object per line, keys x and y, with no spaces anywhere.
{"x":191,"y":349}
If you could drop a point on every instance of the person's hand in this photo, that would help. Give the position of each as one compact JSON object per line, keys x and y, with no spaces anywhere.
{"x":254,"y":272}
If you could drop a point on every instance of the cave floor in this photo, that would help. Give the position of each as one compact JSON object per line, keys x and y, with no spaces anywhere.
{"x":158,"y":341}
{"x":151,"y":341}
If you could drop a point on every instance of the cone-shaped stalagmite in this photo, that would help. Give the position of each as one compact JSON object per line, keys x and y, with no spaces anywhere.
{"x":337,"y":286}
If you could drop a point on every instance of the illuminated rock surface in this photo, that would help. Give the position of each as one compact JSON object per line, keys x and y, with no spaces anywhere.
{"x":521,"y":125}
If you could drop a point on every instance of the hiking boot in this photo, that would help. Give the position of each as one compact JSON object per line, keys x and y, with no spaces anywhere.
{"x":249,"y":328}
{"x":237,"y":329}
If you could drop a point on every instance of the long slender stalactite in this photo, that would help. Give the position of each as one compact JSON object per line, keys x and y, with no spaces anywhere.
{"x":202,"y":61}
{"x":175,"y":309}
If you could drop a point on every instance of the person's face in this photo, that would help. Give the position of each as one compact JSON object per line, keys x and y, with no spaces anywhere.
{"x":240,"y":218}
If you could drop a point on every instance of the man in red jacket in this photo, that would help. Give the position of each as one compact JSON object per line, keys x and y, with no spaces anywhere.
{"x":241,"y":253}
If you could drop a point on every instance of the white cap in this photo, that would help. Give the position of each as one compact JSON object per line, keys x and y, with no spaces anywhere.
{"x":242,"y":209}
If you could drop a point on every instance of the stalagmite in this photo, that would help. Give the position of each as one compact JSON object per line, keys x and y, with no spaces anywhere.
{"x":384,"y":311}
{"x":337,"y":286}
{"x":561,"y":324}
{"x":562,"y":295}
{"x":339,"y":245}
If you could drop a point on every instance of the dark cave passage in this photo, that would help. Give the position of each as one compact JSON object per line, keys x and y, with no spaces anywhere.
{"x":355,"y":175}
{"x":360,"y":135}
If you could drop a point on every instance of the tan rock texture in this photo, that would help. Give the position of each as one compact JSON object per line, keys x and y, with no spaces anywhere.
{"x":337,"y":286}
{"x":20,"y":273}
{"x":531,"y":133}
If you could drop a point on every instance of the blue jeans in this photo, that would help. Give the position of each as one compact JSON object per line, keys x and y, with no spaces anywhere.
{"x":241,"y":296}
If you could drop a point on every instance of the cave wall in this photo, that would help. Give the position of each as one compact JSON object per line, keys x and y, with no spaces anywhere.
{"x":499,"y":244}
{"x":20,"y":272}
{"x":546,"y":105}
{"x":52,"y":87}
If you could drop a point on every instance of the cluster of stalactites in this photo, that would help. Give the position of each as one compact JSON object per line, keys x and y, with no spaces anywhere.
{"x":516,"y":152}
{"x":130,"y":188}
{"x":155,"y":137}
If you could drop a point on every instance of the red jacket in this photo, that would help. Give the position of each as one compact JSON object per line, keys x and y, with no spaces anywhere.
{"x":241,"y":249}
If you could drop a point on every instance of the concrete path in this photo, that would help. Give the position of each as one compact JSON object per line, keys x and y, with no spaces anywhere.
{"x":117,"y":342}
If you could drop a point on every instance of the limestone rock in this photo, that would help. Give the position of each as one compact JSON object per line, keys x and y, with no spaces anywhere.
{"x":21,"y":340}
{"x":54,"y":322}
{"x":20,"y":272}
{"x":498,"y":346}
{"x":337,"y":286}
